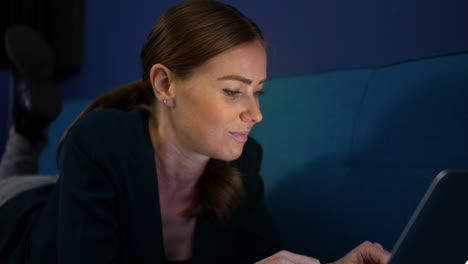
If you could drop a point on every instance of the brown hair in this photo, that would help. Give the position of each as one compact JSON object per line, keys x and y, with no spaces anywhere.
{"x":184,"y":37}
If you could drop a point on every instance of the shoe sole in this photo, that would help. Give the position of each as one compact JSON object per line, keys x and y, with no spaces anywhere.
{"x":32,"y":61}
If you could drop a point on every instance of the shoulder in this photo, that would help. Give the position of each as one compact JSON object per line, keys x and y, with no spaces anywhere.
{"x":110,"y":122}
{"x":107,"y":119}
{"x":106,"y":130}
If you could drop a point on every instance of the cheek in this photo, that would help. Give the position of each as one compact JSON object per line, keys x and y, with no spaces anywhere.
{"x":205,"y":115}
{"x":215,"y":118}
{"x":214,"y":132}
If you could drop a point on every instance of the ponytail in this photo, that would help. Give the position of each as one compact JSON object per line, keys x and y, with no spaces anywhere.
{"x":219,"y":191}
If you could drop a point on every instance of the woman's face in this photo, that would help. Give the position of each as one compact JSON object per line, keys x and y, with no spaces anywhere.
{"x":218,"y":105}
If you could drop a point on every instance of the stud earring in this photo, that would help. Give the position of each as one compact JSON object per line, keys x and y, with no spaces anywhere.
{"x":164,"y":101}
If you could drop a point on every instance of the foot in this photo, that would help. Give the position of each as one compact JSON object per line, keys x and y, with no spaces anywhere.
{"x":37,"y":99}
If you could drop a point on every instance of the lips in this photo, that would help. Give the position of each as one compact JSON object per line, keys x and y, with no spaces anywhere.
{"x":240,"y":136}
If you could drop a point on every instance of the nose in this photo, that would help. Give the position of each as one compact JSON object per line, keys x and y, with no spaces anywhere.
{"x":252,"y":112}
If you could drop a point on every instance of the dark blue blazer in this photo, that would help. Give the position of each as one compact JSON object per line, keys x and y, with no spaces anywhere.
{"x":105,"y":205}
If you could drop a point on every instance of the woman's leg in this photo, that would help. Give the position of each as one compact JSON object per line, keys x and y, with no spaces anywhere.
{"x":20,"y":157}
{"x":36,"y":103}
{"x":19,"y":165}
{"x":15,"y":185}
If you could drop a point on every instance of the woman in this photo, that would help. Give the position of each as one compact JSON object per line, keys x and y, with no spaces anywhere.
{"x":145,"y":171}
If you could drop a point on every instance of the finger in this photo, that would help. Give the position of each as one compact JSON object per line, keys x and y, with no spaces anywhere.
{"x":377,"y":253}
{"x":298,"y":259}
{"x":379,"y":245}
{"x":301,"y":259}
{"x":278,"y":258}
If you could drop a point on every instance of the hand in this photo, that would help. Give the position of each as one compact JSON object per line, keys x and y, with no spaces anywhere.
{"x":285,"y":257}
{"x":366,"y":253}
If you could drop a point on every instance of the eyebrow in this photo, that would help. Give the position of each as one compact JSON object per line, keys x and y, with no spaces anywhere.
{"x":239,"y":78}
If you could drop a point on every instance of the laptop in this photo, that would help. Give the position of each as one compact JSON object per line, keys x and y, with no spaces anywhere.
{"x":438,"y":230}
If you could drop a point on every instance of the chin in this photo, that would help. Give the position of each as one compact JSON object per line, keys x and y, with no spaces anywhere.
{"x":230,"y":155}
{"x":234,"y":157}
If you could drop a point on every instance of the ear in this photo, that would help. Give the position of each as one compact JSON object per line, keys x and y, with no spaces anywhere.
{"x":162,"y":80}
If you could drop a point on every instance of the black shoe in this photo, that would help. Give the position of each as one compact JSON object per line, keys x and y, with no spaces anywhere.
{"x":37,"y":99}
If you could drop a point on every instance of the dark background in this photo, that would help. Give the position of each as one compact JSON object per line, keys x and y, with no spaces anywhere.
{"x":305,"y":36}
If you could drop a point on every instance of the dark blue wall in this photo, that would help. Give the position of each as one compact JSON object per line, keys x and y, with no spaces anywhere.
{"x":305,"y":35}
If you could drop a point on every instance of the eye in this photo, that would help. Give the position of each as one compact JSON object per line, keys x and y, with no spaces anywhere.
{"x":231,"y":93}
{"x":258,"y":93}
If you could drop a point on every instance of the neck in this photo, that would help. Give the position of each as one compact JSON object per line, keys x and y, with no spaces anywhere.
{"x":178,"y":170}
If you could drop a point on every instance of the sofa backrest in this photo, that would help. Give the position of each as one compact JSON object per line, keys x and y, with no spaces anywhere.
{"x":56,"y":129}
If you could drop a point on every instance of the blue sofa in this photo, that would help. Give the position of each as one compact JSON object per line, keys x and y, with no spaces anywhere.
{"x":349,"y":153}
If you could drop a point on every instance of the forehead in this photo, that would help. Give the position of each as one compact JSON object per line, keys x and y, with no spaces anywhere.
{"x":248,"y":60}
